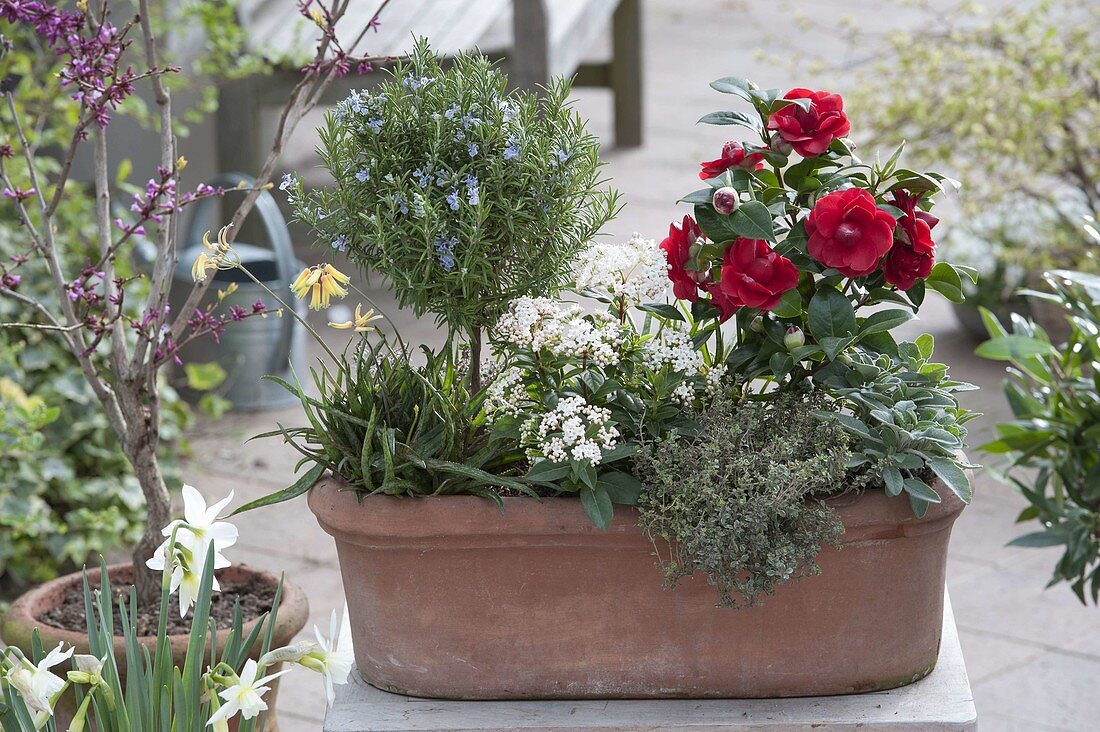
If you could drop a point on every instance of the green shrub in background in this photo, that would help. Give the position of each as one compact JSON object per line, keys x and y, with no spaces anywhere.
{"x":1050,"y":443}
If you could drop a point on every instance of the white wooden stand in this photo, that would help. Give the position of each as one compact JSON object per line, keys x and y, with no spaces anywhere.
{"x":940,"y":702}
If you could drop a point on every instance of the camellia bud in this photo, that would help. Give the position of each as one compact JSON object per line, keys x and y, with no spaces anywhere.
{"x":757,"y":324}
{"x":725,"y":200}
{"x":794,"y":338}
{"x":780,"y":145}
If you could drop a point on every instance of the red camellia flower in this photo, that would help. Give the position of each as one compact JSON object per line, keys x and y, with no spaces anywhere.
{"x":733,"y":156}
{"x":754,"y":275}
{"x":916,"y":224}
{"x":848,"y":233}
{"x":723,"y":303}
{"x":811,"y":132}
{"x":905,"y":265}
{"x":677,"y":246}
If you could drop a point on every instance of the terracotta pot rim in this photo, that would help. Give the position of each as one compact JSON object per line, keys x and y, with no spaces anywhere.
{"x":380,"y":520}
{"x":25,"y":611}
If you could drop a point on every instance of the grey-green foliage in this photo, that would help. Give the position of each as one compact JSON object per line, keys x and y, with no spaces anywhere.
{"x":904,"y":422}
{"x":385,"y":425}
{"x":462,"y":194}
{"x":1051,"y":441}
{"x":737,"y":501}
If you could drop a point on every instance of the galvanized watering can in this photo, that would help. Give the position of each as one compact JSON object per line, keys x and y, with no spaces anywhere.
{"x":256,"y":346}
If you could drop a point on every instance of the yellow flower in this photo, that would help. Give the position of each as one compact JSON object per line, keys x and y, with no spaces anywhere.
{"x":213,"y":256}
{"x":318,"y":16}
{"x":361,"y":322}
{"x":321,"y":282}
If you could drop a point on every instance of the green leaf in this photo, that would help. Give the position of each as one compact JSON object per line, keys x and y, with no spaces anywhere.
{"x":945,"y":280}
{"x":547,"y":471}
{"x":718,"y":228}
{"x":663,"y":310}
{"x":622,"y":488}
{"x":734,"y":85}
{"x":731,"y":118}
{"x":894,"y":482}
{"x":953,"y":477}
{"x":753,"y":220}
{"x":920,"y":489}
{"x":204,"y":376}
{"x":790,"y":304}
{"x":597,"y":505}
{"x":1039,"y":539}
{"x":831,"y":314}
{"x":701,"y":196}
{"x":300,"y":486}
{"x":884,"y":320}
{"x":1013,"y":348}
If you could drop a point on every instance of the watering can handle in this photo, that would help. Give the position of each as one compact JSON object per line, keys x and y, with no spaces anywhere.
{"x":279,"y":236}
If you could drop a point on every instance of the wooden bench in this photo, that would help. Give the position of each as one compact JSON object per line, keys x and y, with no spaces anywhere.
{"x":535,"y":40}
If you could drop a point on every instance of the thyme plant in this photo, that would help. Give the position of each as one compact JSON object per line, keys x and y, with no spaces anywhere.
{"x":750,"y":516}
{"x":462,"y":194}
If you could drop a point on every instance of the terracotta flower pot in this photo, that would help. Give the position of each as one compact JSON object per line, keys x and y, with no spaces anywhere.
{"x":22,"y":619}
{"x":450,"y":598}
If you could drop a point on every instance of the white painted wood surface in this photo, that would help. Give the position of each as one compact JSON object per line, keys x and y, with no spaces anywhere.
{"x":942,"y":702}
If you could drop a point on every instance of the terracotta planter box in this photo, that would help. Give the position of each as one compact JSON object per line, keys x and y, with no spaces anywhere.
{"x":22,"y":619}
{"x":450,"y":598}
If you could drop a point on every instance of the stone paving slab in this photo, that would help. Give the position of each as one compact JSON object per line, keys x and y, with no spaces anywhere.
{"x":940,"y":702}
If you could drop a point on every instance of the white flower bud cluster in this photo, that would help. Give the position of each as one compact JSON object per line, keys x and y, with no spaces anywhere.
{"x":636,"y":270}
{"x":574,"y":429}
{"x":506,"y":393}
{"x":535,"y":323}
{"x":672,"y":346}
{"x":713,"y":377}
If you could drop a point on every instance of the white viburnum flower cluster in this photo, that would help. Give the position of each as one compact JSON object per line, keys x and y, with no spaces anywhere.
{"x":506,"y":393}
{"x":537,"y":323}
{"x":672,"y":346}
{"x":635,"y":271}
{"x":573,"y":430}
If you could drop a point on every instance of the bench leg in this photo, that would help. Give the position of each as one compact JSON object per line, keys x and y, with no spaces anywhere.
{"x":530,"y":57}
{"x":626,"y":72}
{"x":238,"y":127}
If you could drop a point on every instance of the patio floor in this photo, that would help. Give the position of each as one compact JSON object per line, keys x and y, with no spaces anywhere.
{"x":1033,"y":655}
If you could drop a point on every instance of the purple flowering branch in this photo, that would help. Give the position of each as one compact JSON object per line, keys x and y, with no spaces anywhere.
{"x":89,"y":310}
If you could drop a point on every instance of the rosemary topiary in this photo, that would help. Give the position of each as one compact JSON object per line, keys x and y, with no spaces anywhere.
{"x":464,"y":195}
{"x":737,"y":501}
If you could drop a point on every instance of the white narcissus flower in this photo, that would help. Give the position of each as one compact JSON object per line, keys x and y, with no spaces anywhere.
{"x":37,"y":685}
{"x":196,"y":532}
{"x":246,"y":696}
{"x":335,"y":655}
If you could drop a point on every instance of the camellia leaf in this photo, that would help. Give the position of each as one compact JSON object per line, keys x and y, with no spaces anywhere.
{"x":884,"y":320}
{"x":945,"y":280}
{"x":831,"y":314}
{"x":790,"y":304}
{"x":730,"y":118}
{"x":701,"y":196}
{"x":735,"y":85}
{"x":753,"y":220}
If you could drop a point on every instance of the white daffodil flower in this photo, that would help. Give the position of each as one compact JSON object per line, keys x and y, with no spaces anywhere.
{"x":89,"y":669}
{"x":195,"y":532}
{"x":36,"y":684}
{"x":246,"y":696}
{"x":334,"y":655}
